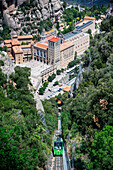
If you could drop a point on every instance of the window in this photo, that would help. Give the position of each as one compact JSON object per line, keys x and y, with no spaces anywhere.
{"x":44,"y":54}
{"x":37,"y":52}
{"x":41,"y":53}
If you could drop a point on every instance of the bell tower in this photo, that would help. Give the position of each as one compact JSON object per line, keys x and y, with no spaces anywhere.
{"x":54,"y":52}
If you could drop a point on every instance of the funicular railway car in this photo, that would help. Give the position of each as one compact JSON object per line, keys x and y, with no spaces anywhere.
{"x":58,"y":146}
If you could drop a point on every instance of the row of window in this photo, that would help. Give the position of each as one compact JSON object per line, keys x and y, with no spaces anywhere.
{"x":41,"y":54}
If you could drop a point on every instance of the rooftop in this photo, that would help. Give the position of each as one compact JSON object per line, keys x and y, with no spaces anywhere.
{"x":25,"y":37}
{"x":15,"y":42}
{"x":54,"y":39}
{"x":66,"y":45}
{"x":50,"y":31}
{"x":84,"y":25}
{"x":17,"y":50}
{"x":67,"y":88}
{"x":7,"y":41}
{"x":7,"y":45}
{"x":90,"y":18}
{"x":25,"y":46}
{"x":71,"y":34}
{"x":48,"y":38}
{"x":40,"y":45}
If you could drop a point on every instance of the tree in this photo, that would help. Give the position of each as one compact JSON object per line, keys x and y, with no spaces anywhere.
{"x":64,"y":4}
{"x":58,"y":72}
{"x":89,"y":31}
{"x":101,"y":152}
{"x":50,"y":78}
{"x":1,"y":63}
{"x":57,"y":26}
{"x":56,"y":83}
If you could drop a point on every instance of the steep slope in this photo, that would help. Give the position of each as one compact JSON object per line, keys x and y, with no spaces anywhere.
{"x":16,"y":13}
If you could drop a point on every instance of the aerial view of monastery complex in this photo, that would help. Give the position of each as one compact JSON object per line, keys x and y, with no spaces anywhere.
{"x":53,"y":50}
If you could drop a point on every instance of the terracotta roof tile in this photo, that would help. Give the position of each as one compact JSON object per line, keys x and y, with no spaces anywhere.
{"x":7,"y":45}
{"x":66,"y":45}
{"x":25,"y":37}
{"x":54,"y":39}
{"x":67,"y":88}
{"x":39,"y":45}
{"x":25,"y":46}
{"x":7,"y":41}
{"x":15,"y":42}
{"x":17,"y":50}
{"x":87,"y":17}
{"x":50,"y":31}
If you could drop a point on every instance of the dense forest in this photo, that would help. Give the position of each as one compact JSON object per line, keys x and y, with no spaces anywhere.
{"x":87,"y":119}
{"x":25,"y":142}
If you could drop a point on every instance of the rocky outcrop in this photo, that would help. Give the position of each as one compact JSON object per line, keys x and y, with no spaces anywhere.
{"x":8,"y":67}
{"x":44,"y":10}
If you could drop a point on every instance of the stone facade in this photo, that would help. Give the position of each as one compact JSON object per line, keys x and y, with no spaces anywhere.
{"x":40,"y":52}
{"x":20,"y":53}
{"x":66,"y":54}
{"x":54,"y":52}
{"x":80,"y":40}
{"x":48,"y":72}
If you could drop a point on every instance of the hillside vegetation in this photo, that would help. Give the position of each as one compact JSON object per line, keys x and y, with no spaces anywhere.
{"x":25,"y":142}
{"x":87,"y":119}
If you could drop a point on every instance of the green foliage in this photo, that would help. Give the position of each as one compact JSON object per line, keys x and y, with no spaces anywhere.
{"x":70,"y":14}
{"x":51,"y":110}
{"x":89,"y":31}
{"x":56,"y":83}
{"x":24,"y":141}
{"x":27,"y":18}
{"x":24,"y":43}
{"x":101,"y":152}
{"x":72,"y":63}
{"x":91,"y":109}
{"x":1,"y":63}
{"x":5,"y":33}
{"x":4,"y":48}
{"x":42,"y":89}
{"x":59,"y":72}
{"x":52,"y":77}
{"x":107,"y":25}
{"x":64,"y":4}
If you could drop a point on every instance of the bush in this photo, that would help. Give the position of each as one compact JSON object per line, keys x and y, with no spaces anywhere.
{"x":71,"y":64}
{"x":50,"y":78}
{"x":1,"y":63}
{"x":24,"y":43}
{"x":27,"y":18}
{"x":4,"y":48}
{"x":56,"y":83}
{"x":58,"y":72}
{"x":42,"y":89}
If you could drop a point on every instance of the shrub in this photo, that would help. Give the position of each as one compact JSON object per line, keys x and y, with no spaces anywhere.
{"x":50,"y":78}
{"x":1,"y":63}
{"x":56,"y":83}
{"x":58,"y":72}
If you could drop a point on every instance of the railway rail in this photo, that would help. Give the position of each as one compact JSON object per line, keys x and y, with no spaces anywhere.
{"x":58,"y":163}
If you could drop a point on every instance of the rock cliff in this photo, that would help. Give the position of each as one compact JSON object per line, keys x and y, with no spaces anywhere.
{"x":8,"y":67}
{"x":36,"y":10}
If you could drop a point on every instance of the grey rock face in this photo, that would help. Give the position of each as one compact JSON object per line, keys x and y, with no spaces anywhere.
{"x":8,"y":67}
{"x":45,"y":9}
{"x":9,"y":20}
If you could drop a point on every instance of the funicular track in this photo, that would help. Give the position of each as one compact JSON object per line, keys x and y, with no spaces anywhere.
{"x":58,"y":163}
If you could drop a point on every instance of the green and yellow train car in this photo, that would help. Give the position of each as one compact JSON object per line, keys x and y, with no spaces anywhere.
{"x":58,"y":146}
